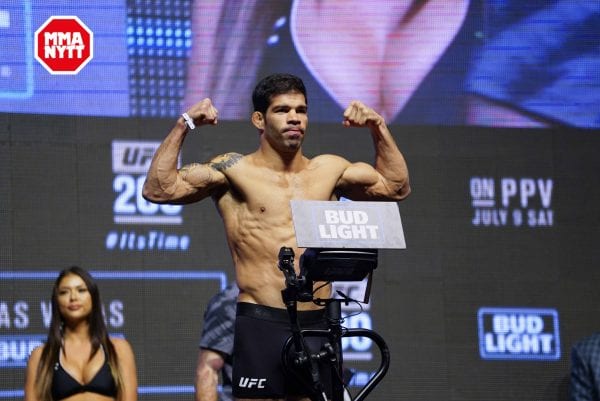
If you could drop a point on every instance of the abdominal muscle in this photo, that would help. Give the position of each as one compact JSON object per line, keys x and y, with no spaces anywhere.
{"x":257,"y":216}
{"x":255,"y":238}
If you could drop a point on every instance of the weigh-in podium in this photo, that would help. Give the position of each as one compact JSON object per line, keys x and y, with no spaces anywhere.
{"x":342,"y":241}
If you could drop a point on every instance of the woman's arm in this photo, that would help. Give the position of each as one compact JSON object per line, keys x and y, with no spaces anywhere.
{"x":128,"y":369}
{"x":31,"y":374}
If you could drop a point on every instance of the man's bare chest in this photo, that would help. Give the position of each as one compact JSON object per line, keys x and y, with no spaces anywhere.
{"x":259,"y":187}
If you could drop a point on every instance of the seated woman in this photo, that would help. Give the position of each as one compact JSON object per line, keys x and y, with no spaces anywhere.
{"x":79,"y":361}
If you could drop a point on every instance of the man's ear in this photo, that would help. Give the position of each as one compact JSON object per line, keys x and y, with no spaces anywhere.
{"x":258,"y":120}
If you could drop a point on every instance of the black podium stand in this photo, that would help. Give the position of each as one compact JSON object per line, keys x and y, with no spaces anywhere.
{"x":302,"y":362}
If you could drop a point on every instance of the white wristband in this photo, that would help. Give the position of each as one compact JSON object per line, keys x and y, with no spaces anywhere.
{"x":188,"y":121}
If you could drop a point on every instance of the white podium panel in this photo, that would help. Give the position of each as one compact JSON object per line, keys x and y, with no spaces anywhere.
{"x":331,"y":224}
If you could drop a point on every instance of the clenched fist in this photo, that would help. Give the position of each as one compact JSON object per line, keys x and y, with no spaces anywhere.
{"x":358,"y":114}
{"x":203,"y":113}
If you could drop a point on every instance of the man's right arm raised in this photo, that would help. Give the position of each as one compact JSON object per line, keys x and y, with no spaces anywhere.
{"x":191,"y":183}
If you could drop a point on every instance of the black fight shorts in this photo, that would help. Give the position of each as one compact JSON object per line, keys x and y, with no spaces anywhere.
{"x":260,"y":335}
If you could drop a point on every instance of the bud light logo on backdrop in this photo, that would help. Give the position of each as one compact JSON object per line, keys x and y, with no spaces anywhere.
{"x":519,"y":333}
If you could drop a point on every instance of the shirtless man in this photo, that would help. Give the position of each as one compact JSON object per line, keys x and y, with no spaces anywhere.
{"x":252,"y":194}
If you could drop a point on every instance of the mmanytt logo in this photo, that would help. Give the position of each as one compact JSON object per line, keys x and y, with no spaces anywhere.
{"x":519,"y":333}
{"x":508,"y":201}
{"x":64,"y":44}
{"x":250,"y":382}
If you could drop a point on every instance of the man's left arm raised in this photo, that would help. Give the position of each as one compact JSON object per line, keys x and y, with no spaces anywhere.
{"x":388,"y":178}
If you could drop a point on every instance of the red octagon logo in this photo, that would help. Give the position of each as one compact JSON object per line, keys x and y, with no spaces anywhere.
{"x":63,"y":45}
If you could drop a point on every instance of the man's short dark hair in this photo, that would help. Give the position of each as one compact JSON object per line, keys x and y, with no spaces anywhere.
{"x":272,"y":85}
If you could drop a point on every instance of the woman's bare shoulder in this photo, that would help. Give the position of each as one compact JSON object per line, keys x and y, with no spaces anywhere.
{"x":121,"y":344}
{"x":37,"y":351}
{"x":36,"y":355}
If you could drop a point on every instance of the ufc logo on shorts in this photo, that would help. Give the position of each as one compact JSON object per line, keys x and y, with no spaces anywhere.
{"x":249,"y":382}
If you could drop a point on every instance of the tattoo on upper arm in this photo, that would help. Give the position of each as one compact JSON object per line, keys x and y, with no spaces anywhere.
{"x":225,"y":161}
{"x":185,"y":170}
{"x":200,"y":177}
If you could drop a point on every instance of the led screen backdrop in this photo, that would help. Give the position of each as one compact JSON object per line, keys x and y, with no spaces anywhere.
{"x":499,"y":276}
{"x":433,"y":62}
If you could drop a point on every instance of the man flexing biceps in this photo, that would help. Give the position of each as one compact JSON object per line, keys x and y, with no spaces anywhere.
{"x":252,"y":193}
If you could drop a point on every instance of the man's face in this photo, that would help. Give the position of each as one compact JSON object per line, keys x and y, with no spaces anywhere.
{"x":285,"y":121}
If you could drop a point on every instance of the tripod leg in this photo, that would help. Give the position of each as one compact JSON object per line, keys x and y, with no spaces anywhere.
{"x":334,"y":322}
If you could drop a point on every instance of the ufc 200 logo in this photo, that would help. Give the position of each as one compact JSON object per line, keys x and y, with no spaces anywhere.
{"x":130,"y":162}
{"x":252,"y":382}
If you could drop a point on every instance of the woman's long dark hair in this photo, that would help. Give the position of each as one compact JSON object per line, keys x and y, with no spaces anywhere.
{"x":97,"y":331}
